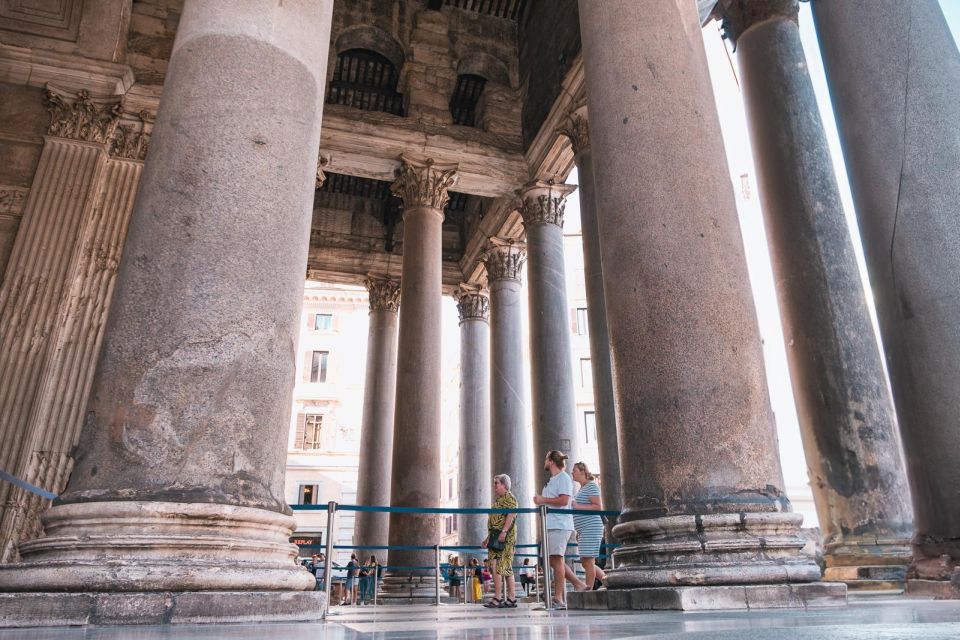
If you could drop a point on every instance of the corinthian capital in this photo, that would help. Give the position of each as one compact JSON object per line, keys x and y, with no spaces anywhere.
{"x":543,"y":202}
{"x":736,"y":16}
{"x":384,"y":294}
{"x":131,"y":140}
{"x":424,"y":183}
{"x":323,"y":160}
{"x":472,"y":303}
{"x":504,"y":259}
{"x":82,"y":117}
{"x":576,"y":128}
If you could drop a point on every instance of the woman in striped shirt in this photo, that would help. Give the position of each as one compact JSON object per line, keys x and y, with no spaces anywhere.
{"x":589,"y":527}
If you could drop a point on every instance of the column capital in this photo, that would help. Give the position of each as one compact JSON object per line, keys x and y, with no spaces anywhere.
{"x":543,"y":202}
{"x":384,"y":293}
{"x":473,"y":302}
{"x":424,"y":183}
{"x":504,"y":259}
{"x":323,"y":161}
{"x":576,"y":127}
{"x":82,"y":116}
{"x":131,"y":140}
{"x":736,"y":16}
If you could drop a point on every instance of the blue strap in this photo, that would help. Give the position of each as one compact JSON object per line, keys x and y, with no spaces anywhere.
{"x":26,"y":486}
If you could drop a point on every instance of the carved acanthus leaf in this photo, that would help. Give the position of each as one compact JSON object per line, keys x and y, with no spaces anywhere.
{"x":13,"y":200}
{"x":82,"y":117}
{"x":323,"y":161}
{"x":544,"y":202}
{"x":473,"y":303}
{"x":504,"y":259}
{"x":577,"y":129}
{"x":131,"y":141}
{"x":424,"y":183}
{"x":384,"y":294}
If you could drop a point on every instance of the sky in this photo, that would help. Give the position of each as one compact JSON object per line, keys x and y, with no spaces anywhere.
{"x":723,"y":70}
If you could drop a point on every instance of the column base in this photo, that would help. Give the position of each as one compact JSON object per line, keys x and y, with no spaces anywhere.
{"x":159,"y":546}
{"x":716,"y":549}
{"x":135,"y":608}
{"x":937,"y":589}
{"x":770,"y":596}
{"x":868,"y":566}
{"x":411,"y":590}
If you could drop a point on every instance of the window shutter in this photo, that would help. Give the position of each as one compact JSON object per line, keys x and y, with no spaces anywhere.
{"x":311,"y":320}
{"x":301,"y":431}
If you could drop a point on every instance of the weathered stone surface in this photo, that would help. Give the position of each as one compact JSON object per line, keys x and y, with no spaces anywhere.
{"x":846,"y":413}
{"x":208,"y":607}
{"x":773,"y":596}
{"x":896,"y":107}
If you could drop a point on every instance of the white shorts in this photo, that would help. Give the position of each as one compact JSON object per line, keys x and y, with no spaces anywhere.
{"x":557,"y":540}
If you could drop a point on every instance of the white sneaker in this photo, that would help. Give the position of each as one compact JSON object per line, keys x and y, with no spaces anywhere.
{"x":559,"y":605}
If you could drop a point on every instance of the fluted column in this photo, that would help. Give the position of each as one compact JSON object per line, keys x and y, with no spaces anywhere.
{"x":510,"y":453}
{"x":376,"y":431}
{"x":475,"y":476}
{"x":178,"y":483}
{"x":416,"y":472}
{"x":58,"y":226}
{"x":897,"y":110}
{"x":702,"y":485}
{"x":554,"y":406}
{"x":577,"y":129}
{"x":846,"y":413}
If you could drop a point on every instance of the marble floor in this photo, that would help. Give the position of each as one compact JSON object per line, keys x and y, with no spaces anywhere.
{"x":871,"y":618}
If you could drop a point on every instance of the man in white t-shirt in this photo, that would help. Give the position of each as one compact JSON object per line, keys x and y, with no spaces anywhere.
{"x":557,"y":494}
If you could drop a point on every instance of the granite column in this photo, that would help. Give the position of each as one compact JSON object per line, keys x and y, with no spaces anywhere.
{"x":554,"y":407}
{"x":416,"y":470}
{"x":702,"y":486}
{"x":846,"y":413}
{"x":179,"y":477}
{"x":476,"y":478}
{"x":577,"y":129}
{"x":376,"y":430}
{"x":510,"y":439}
{"x":897,"y":108}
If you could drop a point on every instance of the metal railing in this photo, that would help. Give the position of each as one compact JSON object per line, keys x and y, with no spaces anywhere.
{"x":332,"y":508}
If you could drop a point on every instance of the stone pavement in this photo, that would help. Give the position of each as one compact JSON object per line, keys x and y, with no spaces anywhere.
{"x":873,"y":618}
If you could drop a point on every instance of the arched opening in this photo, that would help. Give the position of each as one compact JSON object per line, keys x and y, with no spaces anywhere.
{"x":465,"y":98}
{"x":366,"y":80}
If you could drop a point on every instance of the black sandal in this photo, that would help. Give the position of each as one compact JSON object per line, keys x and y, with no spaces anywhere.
{"x":508,"y":604}
{"x":494,"y":603}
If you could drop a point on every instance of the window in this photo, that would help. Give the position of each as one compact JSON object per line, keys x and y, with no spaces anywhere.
{"x":590,"y":425}
{"x":450,"y":487}
{"x":466,"y":96}
{"x":309,"y":437}
{"x":309,"y":494}
{"x":586,"y":373}
{"x":366,"y":80}
{"x":581,"y":323}
{"x":323,"y":322}
{"x":318,"y":366}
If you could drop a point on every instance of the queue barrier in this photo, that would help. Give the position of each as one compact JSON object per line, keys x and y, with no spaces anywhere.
{"x":542,"y":512}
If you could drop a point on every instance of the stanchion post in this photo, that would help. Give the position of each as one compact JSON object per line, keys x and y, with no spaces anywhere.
{"x":436,"y":555}
{"x":545,"y":557}
{"x":328,"y":559}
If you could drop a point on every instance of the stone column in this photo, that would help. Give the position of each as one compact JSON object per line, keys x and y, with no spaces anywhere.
{"x":846,"y":413}
{"x":51,"y":240}
{"x":476,"y":477}
{"x":178,"y":481}
{"x":554,"y":407}
{"x":702,"y":485}
{"x":510,"y":453}
{"x":897,"y":110}
{"x":416,"y":471}
{"x":376,"y":432}
{"x":577,"y":130}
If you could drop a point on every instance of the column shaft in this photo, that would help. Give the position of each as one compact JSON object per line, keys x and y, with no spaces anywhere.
{"x":416,"y":472}
{"x":376,"y":432}
{"x":607,"y":442}
{"x":699,"y":455}
{"x":178,"y":481}
{"x":508,"y":412}
{"x":551,"y":372}
{"x":897,"y":109}
{"x":846,"y":413}
{"x":475,"y":479}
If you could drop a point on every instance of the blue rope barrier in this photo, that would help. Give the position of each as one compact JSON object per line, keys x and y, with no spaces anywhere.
{"x":26,"y":486}
{"x":446,"y":510}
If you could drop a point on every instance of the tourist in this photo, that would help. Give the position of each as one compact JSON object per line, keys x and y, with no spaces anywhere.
{"x":317,"y":568}
{"x":350,"y":593}
{"x":557,"y":494}
{"x":453,"y":572}
{"x":500,"y":544}
{"x":589,"y":527}
{"x":368,"y":580}
{"x":526,"y":576}
{"x":485,"y":575}
{"x":476,"y":579}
